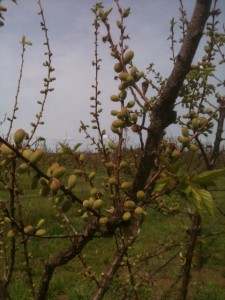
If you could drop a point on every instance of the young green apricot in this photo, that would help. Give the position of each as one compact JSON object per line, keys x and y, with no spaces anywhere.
{"x":126,"y":185}
{"x":112,"y":181}
{"x":58,"y":172}
{"x":139,"y":211}
{"x":185,"y":131}
{"x":118,"y":123}
{"x":128,"y":57}
{"x":82,"y":157}
{"x":103,"y":220}
{"x":122,"y":95}
{"x":93,"y":191}
{"x":195,"y":123}
{"x":114,"y":112}
{"x":176,"y":154}
{"x":112,"y":145}
{"x":86,"y":204}
{"x":133,"y":71}
{"x":40,"y":223}
{"x":140,"y":195}
{"x":51,"y":168}
{"x":193,"y":148}
{"x":123,"y":76}
{"x":6,"y":150}
{"x":130,"y":80}
{"x":109,"y":165}
{"x":54,"y":185}
{"x":124,"y":113}
{"x":131,"y":104}
{"x":115,"y":98}
{"x":72,"y":180}
{"x":36,"y":156}
{"x":40,"y":232}
{"x":118,"y":68}
{"x":28,"y":229}
{"x":123,"y":164}
{"x":27,"y":153}
{"x":133,"y":117}
{"x":98,"y":204}
{"x":92,"y":175}
{"x":123,"y":85}
{"x":129,"y":204}
{"x":19,"y":136}
{"x":139,"y":75}
{"x":126,"y":216}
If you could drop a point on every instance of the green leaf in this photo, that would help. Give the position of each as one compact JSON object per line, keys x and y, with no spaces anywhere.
{"x":208,"y":177}
{"x":76,"y":147}
{"x":196,"y":198}
{"x":162,"y":183}
{"x":66,"y":149}
{"x":207,"y":200}
{"x":202,"y":199}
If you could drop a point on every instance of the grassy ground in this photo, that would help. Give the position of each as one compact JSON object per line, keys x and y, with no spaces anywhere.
{"x":156,"y":272}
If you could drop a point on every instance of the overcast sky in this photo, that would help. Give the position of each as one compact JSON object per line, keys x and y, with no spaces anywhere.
{"x":70,"y":30}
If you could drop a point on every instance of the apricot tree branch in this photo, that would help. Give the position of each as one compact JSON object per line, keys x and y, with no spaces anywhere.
{"x":163,"y":113}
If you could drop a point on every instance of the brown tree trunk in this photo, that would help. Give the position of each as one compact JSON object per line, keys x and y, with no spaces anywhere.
{"x":189,"y":256}
{"x":163,"y":111}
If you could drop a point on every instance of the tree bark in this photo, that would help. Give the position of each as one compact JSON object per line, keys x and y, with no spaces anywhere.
{"x":189,"y":256}
{"x":163,"y":113}
{"x":63,"y":257}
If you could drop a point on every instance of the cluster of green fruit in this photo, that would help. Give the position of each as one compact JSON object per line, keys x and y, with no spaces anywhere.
{"x":132,"y":209}
{"x":28,"y":229}
{"x":125,"y":117}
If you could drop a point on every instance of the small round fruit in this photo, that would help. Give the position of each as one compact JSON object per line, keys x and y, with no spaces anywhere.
{"x":19,"y":136}
{"x":128,"y":57}
{"x":138,"y":211}
{"x":185,"y":131}
{"x":193,"y":148}
{"x":98,"y":204}
{"x":112,"y":145}
{"x":112,"y":181}
{"x":36,"y":156}
{"x":114,"y":98}
{"x":103,"y":220}
{"x":195,"y":123}
{"x":40,"y":222}
{"x":126,"y":216}
{"x":126,"y":185}
{"x":54,"y":185}
{"x":140,"y":195}
{"x":118,"y":123}
{"x":129,"y":204}
{"x":28,"y":229}
{"x":92,"y":175}
{"x":86,"y":204}
{"x":58,"y":172}
{"x":118,"y":68}
{"x":72,"y":180}
{"x":40,"y":232}
{"x":176,"y":154}
{"x":6,"y":150}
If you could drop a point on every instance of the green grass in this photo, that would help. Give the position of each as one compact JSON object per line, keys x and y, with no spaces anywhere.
{"x":158,"y":231}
